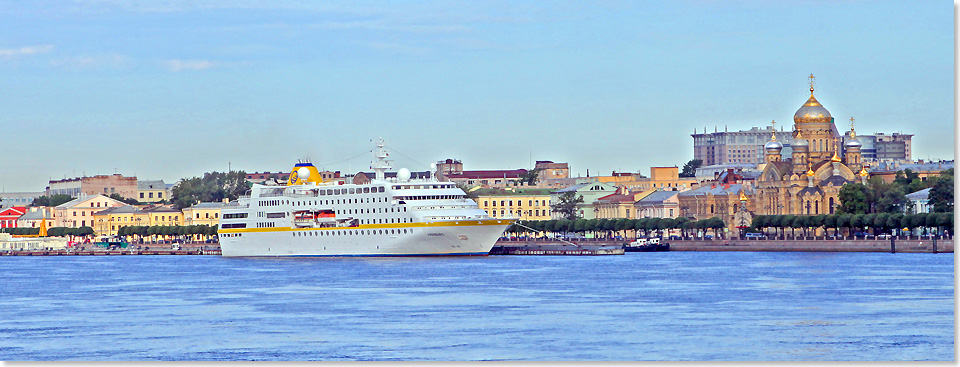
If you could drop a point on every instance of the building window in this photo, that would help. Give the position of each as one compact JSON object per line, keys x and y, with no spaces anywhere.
{"x":141,"y":195}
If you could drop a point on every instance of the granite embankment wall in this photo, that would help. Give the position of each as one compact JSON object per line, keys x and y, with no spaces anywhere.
{"x":925,"y":245}
{"x":880,"y":245}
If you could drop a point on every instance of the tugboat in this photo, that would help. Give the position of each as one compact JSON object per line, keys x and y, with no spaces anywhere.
{"x":646,"y":245}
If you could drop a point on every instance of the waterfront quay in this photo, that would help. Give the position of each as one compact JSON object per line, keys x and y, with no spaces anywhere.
{"x":912,"y":244}
{"x":190,"y":248}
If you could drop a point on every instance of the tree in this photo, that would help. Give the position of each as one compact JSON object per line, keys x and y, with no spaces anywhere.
{"x":566,"y":205}
{"x":690,"y":168}
{"x":894,"y":200}
{"x":853,"y":199}
{"x":127,"y":201}
{"x":51,"y":200}
{"x":941,"y":195}
{"x":213,"y":186}
{"x":531,"y":176}
{"x":831,"y":221}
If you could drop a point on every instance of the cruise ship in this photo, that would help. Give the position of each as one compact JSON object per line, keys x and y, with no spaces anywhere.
{"x":385,"y":217}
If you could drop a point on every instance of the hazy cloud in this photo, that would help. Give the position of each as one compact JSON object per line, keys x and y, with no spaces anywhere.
{"x":182,"y":65}
{"x":92,"y":61}
{"x":26,"y":50}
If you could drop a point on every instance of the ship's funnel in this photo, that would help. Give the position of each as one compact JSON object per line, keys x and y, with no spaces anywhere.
{"x":304,"y":172}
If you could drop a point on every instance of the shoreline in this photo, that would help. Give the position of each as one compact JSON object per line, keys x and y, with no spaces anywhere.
{"x":926,"y":245}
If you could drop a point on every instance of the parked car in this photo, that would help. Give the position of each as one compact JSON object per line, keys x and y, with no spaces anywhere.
{"x":755,"y":235}
{"x":675,"y":237}
{"x":861,"y":234}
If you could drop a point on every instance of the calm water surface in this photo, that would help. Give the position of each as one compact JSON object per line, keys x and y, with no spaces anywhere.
{"x":640,"y":306}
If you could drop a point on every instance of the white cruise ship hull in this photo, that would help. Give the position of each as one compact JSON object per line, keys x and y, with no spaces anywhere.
{"x":446,"y":238}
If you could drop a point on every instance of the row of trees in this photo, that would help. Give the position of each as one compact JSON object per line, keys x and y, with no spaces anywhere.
{"x":52,"y":200}
{"x":144,"y":231}
{"x":213,"y":186}
{"x":622,"y":226}
{"x":878,"y":196}
{"x":52,"y":232}
{"x":836,"y":224}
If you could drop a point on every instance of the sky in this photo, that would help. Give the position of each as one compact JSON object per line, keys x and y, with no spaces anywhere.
{"x":166,"y":89}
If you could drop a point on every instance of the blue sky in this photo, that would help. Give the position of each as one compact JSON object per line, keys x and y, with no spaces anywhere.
{"x":169,"y":89}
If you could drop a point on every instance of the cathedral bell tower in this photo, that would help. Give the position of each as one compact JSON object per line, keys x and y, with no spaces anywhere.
{"x":851,"y":150}
{"x":773,"y":147}
{"x":800,"y":153}
{"x":815,"y":124}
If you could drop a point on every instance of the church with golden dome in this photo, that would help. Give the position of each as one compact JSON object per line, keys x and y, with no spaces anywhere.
{"x":809,"y":181}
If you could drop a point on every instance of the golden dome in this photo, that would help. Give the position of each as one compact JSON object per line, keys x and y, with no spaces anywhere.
{"x":835,"y":157}
{"x":863,"y":172}
{"x":812,"y":110}
{"x":809,"y":172}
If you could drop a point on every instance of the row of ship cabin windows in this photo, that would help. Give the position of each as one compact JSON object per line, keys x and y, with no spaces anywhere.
{"x":410,"y":187}
{"x":372,"y":232}
{"x":323,"y":202}
{"x":519,"y":202}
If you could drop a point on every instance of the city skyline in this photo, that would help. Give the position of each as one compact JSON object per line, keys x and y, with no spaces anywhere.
{"x":168,"y":90}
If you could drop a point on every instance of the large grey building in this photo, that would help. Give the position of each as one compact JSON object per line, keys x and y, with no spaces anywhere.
{"x":881,"y":147}
{"x":744,"y":146}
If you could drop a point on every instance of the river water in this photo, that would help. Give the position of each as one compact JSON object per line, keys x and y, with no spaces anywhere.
{"x":639,"y":306}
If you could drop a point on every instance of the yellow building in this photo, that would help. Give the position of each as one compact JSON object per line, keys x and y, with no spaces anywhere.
{"x":151,"y":191}
{"x":203,"y":213}
{"x":526,"y":204}
{"x":664,"y":178}
{"x":619,"y":204}
{"x":163,"y":216}
{"x":79,"y":212}
{"x":108,"y":221}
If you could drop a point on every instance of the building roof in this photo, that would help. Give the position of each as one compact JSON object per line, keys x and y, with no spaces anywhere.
{"x":919,"y":195}
{"x":717,"y":190}
{"x":515,"y":192}
{"x":13,"y":211}
{"x":573,"y":188}
{"x":916,"y":167}
{"x":36,"y":215}
{"x":658,"y":197}
{"x":77,"y":201}
{"x":151,"y":185}
{"x":836,"y":180}
{"x":126,"y":209}
{"x":617,"y":198}
{"x":209,"y":205}
{"x":160,"y":209}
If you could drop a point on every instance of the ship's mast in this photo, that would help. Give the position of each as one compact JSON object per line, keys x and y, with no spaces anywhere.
{"x":381,"y":164}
